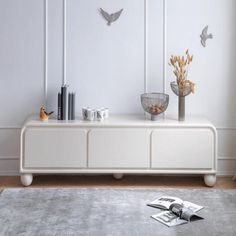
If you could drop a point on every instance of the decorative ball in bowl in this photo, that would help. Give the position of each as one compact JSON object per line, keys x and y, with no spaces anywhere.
{"x":154,"y":103}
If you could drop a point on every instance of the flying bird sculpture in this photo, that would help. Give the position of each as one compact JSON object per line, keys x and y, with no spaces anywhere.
{"x":204,"y":36}
{"x":110,"y":17}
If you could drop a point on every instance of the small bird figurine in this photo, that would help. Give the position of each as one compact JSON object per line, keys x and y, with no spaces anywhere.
{"x":43,"y":115}
{"x":204,"y":36}
{"x":111,"y":17}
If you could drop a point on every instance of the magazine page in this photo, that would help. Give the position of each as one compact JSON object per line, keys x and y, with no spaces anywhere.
{"x":192,"y":206}
{"x":189,"y":215}
{"x":176,"y":209}
{"x":184,"y":213}
{"x":164,"y":202}
{"x":169,"y":218}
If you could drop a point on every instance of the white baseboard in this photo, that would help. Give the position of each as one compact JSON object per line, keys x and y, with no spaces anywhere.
{"x":226,"y":166}
{"x":9,"y":166}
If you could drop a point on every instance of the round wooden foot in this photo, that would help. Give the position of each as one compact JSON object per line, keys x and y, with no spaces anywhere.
{"x":26,"y":179}
{"x":210,"y":180}
{"x":118,"y":176}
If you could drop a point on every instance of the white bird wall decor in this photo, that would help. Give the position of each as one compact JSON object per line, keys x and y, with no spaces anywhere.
{"x":110,"y":17}
{"x":204,"y":36}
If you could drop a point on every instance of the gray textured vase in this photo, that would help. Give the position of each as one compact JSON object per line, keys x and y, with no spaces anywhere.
{"x":181,"y":93}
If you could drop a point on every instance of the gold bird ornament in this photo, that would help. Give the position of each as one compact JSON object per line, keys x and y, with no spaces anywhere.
{"x":43,"y":115}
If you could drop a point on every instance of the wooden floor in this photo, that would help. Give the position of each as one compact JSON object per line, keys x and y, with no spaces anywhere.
{"x":129,"y":181}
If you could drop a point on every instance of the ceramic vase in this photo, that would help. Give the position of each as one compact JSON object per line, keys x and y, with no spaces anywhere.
{"x":181,"y":93}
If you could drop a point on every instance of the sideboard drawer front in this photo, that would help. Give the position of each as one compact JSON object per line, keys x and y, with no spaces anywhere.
{"x":184,"y":148}
{"x":119,"y":148}
{"x":55,"y":148}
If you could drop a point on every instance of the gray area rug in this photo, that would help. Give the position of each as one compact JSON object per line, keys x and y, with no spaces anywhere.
{"x":113,"y":212}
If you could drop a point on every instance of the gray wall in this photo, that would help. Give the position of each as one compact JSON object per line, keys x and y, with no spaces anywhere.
{"x":112,"y":66}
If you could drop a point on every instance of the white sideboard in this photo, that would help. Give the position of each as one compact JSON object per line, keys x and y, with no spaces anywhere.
{"x":119,"y":145}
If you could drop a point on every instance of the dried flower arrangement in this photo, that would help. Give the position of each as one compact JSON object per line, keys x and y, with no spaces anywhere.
{"x":180,"y":65}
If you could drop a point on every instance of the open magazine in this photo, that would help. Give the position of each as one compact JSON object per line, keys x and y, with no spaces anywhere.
{"x":176,"y":212}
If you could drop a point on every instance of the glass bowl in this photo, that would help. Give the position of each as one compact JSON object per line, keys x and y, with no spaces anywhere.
{"x":154,"y":103}
{"x":182,"y":92}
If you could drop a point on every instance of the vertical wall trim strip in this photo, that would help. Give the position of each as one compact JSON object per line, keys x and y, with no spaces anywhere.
{"x":145,"y":46}
{"x":164,"y":46}
{"x":45,"y":52}
{"x":64,"y":43}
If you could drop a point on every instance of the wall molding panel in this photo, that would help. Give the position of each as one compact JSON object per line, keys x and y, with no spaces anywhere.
{"x":21,"y":60}
{"x":64,"y":81}
{"x":10,"y":127}
{"x":9,"y":167}
{"x":164,"y":45}
{"x":45,"y":52}
{"x":50,"y":61}
{"x":9,"y":158}
{"x":145,"y":46}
